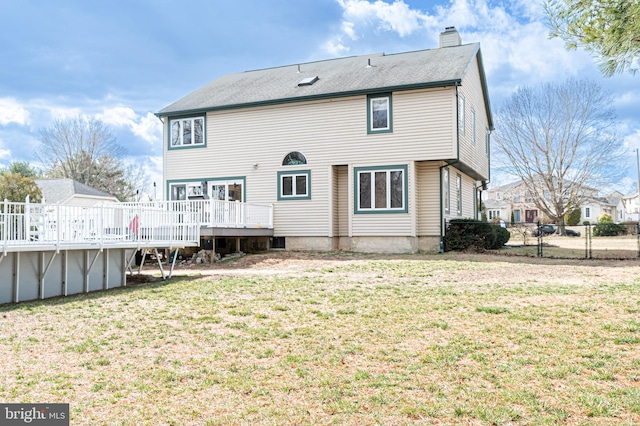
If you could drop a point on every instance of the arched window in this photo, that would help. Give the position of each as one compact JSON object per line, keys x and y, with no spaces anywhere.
{"x":293,"y":159}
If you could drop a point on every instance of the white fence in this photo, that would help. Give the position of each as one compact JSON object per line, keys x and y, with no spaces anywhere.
{"x":24,"y":225}
{"x":219,"y":214}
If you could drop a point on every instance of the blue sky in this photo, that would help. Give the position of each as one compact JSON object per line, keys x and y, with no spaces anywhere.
{"x":122,"y":61}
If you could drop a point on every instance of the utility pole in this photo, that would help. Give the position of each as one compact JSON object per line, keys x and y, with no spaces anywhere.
{"x":638,"y":197}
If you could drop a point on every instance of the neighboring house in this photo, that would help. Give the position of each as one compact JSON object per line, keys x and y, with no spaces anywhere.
{"x":631,"y":205}
{"x":514,"y":198}
{"x":71,"y":193}
{"x":363,"y":153}
{"x":611,"y":204}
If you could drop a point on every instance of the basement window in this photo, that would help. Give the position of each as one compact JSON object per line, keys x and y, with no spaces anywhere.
{"x":278,"y":243}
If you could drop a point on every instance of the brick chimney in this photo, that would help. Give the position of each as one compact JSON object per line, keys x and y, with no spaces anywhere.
{"x":450,"y":37}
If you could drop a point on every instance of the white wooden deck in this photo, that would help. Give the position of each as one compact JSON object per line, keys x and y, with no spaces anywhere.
{"x":50,"y":250}
{"x":37,"y":227}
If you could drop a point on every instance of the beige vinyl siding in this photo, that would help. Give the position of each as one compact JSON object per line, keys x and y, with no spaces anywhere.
{"x":428,"y":198}
{"x":470,"y":154}
{"x":428,"y":116}
{"x":467,"y":195}
{"x":252,"y":142}
{"x":341,"y":194}
{"x":327,"y":132}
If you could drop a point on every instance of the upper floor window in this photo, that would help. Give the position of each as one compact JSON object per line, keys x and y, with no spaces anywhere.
{"x":379,"y":113}
{"x":381,"y":189}
{"x":461,"y":118}
{"x":587,"y":212}
{"x":473,"y":126}
{"x":294,"y":158}
{"x":186,"y":132}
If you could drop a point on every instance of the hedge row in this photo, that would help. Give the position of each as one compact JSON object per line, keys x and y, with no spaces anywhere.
{"x":470,"y":234}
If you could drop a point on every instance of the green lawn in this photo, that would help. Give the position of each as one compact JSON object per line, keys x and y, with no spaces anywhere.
{"x":340,"y":339}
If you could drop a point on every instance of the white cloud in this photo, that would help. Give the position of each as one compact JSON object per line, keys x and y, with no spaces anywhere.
{"x":11,"y":111}
{"x":348,"y":29}
{"x":335,"y":47}
{"x":57,"y":112}
{"x":514,"y":37}
{"x":5,"y":154}
{"x":397,"y":16}
{"x":362,"y":17}
{"x":632,"y":140}
{"x":148,"y":127}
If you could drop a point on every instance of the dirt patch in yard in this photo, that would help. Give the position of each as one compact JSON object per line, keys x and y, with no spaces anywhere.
{"x":292,"y":263}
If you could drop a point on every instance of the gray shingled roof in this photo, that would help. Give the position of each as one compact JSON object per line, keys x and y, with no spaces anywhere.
{"x":59,"y":190}
{"x":337,"y":77}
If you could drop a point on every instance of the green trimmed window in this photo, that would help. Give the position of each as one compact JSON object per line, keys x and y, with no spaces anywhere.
{"x":294,"y":185}
{"x":186,"y":132}
{"x":381,"y":189}
{"x":446,"y":190}
{"x":379,"y":113}
{"x":473,"y":126}
{"x":459,"y":194}
{"x":461,"y":117}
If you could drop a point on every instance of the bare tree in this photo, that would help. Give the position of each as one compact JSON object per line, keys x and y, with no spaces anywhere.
{"x":561,"y":140}
{"x":84,"y":149}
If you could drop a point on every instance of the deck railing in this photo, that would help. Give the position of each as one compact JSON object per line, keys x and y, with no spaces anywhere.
{"x":124,"y":224}
{"x":220,"y":214}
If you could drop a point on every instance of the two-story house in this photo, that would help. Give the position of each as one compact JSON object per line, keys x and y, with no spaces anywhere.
{"x":364,"y":153}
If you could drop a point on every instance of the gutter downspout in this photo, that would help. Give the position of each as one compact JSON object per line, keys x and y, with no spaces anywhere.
{"x":485,"y":183}
{"x":457,"y":160}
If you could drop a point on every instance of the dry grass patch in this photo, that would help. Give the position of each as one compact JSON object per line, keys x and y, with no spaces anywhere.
{"x":340,"y":339}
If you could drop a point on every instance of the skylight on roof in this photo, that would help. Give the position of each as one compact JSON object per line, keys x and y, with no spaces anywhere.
{"x":308,"y":81}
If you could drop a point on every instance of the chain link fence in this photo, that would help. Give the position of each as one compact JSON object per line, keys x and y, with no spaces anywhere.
{"x":610,"y":241}
{"x":601,"y":241}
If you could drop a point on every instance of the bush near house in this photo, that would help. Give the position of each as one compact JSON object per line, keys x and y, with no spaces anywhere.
{"x":573,"y":218}
{"x":606,"y":227}
{"x":470,"y":234}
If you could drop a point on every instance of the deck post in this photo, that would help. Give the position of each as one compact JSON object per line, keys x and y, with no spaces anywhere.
{"x":159,"y":263}
{"x":125,"y":265}
{"x":105,"y":270}
{"x":27,"y":219}
{"x":16,"y":277}
{"x":6,"y":224}
{"x":85,"y":261}
{"x":41,"y":275}
{"x":65,"y":272}
{"x":43,"y":271}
